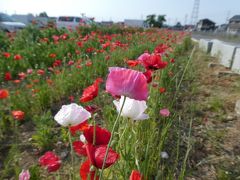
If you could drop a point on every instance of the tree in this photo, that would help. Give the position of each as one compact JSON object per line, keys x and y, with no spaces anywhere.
{"x":160,"y":20}
{"x":153,"y":22}
{"x":43,"y":14}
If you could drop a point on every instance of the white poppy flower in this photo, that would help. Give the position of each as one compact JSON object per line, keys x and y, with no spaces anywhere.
{"x":164,"y":155}
{"x":72,"y":114}
{"x":132,"y":108}
{"x":82,"y":138}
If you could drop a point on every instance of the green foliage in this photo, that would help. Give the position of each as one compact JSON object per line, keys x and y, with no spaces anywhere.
{"x":216,"y":104}
{"x":4,"y":41}
{"x":44,"y":137}
{"x":11,"y":163}
{"x":152,"y":21}
{"x":35,"y":172}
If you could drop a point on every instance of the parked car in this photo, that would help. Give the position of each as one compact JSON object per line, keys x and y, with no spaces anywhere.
{"x":72,"y":22}
{"x":8,"y":24}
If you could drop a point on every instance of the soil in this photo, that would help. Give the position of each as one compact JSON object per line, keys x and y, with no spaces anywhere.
{"x":215,"y":152}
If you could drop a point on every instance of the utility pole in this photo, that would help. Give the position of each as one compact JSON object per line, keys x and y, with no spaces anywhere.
{"x":186,"y":19}
{"x":228,"y":16}
{"x":195,"y":12}
{"x":83,"y":14}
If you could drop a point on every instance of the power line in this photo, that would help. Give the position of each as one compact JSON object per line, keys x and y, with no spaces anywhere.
{"x":195,"y":12}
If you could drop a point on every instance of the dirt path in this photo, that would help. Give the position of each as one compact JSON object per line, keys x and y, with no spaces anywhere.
{"x":216,"y":127}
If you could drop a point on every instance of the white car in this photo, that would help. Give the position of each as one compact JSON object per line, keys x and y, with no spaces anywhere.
{"x":7,"y":24}
{"x":72,"y":22}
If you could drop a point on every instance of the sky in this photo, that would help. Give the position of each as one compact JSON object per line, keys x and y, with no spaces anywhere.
{"x":105,"y":10}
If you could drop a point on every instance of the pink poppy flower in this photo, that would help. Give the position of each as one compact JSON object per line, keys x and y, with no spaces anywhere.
{"x":29,"y":71}
{"x":144,"y":57}
{"x":127,"y":82}
{"x":24,"y":175}
{"x":164,"y":112}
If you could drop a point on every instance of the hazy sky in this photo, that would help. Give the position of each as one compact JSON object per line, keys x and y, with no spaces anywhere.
{"x":176,"y":10}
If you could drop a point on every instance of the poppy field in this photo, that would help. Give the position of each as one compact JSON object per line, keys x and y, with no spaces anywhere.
{"x":92,"y":103}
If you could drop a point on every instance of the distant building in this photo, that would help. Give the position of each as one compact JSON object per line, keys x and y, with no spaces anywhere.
{"x":222,"y":28}
{"x":205,"y":25}
{"x":107,"y":23}
{"x":234,"y":25}
{"x":121,"y":24}
{"x":134,"y":23}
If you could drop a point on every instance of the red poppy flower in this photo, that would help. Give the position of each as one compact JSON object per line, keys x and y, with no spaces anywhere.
{"x":148,"y":75}
{"x":49,"y":82}
{"x":71,"y":62}
{"x":22,"y":75}
{"x":80,"y":44}
{"x":6,"y":55}
{"x":71,"y":98}
{"x":52,"y":55}
{"x":79,"y":148}
{"x":135,"y":175}
{"x":102,"y":135}
{"x":92,"y":108}
{"x":35,"y":80}
{"x":107,"y":57}
{"x":132,"y":63}
{"x":17,"y":57}
{"x":80,"y":127}
{"x":4,"y":93}
{"x":57,"y":63}
{"x":18,"y":115}
{"x":29,"y":86}
{"x":90,"y":92}
{"x":79,"y":66}
{"x":17,"y":81}
{"x":162,"y":90}
{"x":85,"y":171}
{"x":96,"y":155}
{"x":89,"y":50}
{"x":40,"y":72}
{"x":88,"y":63}
{"x":161,"y":48}
{"x":154,"y":62}
{"x":55,"y":38}
{"x":8,"y":76}
{"x":50,"y":161}
{"x":105,"y":45}
{"x":172,"y":60}
{"x":77,"y":52}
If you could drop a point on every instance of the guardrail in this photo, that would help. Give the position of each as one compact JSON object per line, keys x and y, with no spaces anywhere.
{"x":228,"y":53}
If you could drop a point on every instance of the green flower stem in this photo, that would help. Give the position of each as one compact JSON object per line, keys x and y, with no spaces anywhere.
{"x":95,"y":174}
{"x":71,"y":154}
{"x":112,"y":132}
{"x":94,"y":142}
{"x":94,"y":131}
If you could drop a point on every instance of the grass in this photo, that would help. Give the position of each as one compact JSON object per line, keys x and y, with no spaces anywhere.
{"x":208,"y":103}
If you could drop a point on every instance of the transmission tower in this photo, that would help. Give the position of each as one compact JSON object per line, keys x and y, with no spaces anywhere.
{"x":195,"y":11}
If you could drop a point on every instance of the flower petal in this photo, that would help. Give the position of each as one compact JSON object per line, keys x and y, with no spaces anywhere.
{"x":127,"y":82}
{"x":102,"y":135}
